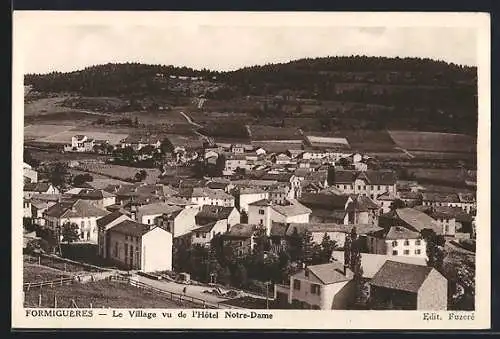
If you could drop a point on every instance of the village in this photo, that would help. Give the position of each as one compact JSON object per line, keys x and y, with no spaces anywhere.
{"x":318,"y":226}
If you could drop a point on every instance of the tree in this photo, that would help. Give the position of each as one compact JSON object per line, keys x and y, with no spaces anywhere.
{"x":244,"y":217}
{"x":307,"y":247}
{"x":295,"y":245}
{"x":58,"y":173}
{"x":28,"y":158}
{"x":136,"y":122}
{"x":261,"y":242}
{"x":82,"y":178}
{"x":434,"y":249}
{"x":70,"y":232}
{"x":240,"y":275}
{"x":327,"y":247}
{"x":397,"y":204}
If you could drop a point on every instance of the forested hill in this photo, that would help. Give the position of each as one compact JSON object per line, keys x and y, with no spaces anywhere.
{"x":387,"y":92}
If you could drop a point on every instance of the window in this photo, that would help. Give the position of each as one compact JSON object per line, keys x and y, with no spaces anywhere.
{"x":296,"y":284}
{"x":261,"y":222}
{"x":315,"y":289}
{"x":83,"y":224}
{"x":394,"y":243}
{"x":197,"y":234}
{"x":261,"y":211}
{"x":359,"y":188}
{"x":204,"y":235}
{"x":378,"y":187}
{"x":417,"y":251}
{"x":394,"y":252}
{"x":406,"y":252}
{"x":407,"y":243}
{"x":417,"y":242}
{"x":149,"y":221}
{"x":446,"y":228}
{"x":241,"y":243}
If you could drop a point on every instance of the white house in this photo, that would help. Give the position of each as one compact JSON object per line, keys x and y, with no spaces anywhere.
{"x":140,"y":247}
{"x":207,"y":196}
{"x":265,"y":212}
{"x":80,"y":212}
{"x":320,"y":287}
{"x":370,"y":183}
{"x":180,"y":222}
{"x":210,"y":213}
{"x":234,"y":162}
{"x":248,"y":195}
{"x":103,"y":225}
{"x":204,"y":234}
{"x":80,"y":143}
{"x":397,"y":241}
{"x":29,"y":174}
{"x":27,"y":212}
{"x":146,"y":214}
{"x":32,"y":189}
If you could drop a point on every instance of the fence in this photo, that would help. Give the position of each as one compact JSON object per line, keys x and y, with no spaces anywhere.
{"x":172,"y":295}
{"x":63,"y":264}
{"x":56,"y":282}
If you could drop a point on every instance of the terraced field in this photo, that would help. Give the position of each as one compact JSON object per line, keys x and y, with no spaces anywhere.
{"x":435,"y":142}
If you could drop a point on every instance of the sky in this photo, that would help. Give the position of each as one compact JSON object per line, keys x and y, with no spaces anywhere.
{"x":69,"y":46}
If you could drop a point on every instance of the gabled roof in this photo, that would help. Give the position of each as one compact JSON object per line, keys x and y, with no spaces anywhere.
{"x":101,"y":222}
{"x":37,"y":187}
{"x":410,"y":195}
{"x":322,"y":200}
{"x":440,"y":197}
{"x":330,"y":273}
{"x":205,"y":228}
{"x":400,"y":232}
{"x":262,"y":202}
{"x":295,"y":208}
{"x":401,"y":276}
{"x":330,"y":227}
{"x":413,"y":219}
{"x":362,"y":204}
{"x":372,"y":177}
{"x":371,"y":263}
{"x":129,"y":227}
{"x":78,"y":209}
{"x":157,"y":208}
{"x":214,"y":212}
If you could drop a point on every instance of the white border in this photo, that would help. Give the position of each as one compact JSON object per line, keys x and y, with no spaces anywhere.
{"x":284,"y":319}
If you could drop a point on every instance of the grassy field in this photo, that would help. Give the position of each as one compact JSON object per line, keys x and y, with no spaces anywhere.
{"x":119,"y":172}
{"x":65,"y":137}
{"x":435,"y":142}
{"x":261,"y":132}
{"x":102,"y":294}
{"x":446,"y":174}
{"x":35,"y":273}
{"x":59,"y":264}
{"x":33,"y":132}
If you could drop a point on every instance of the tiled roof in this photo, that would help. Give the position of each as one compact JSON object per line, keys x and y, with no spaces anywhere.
{"x":78,"y":209}
{"x":262,"y":202}
{"x":129,"y":227}
{"x":401,"y":276}
{"x":440,"y":197}
{"x":410,"y":195}
{"x":108,"y":218}
{"x":157,"y":208}
{"x":412,"y":218}
{"x":37,"y":187}
{"x":467,"y":197}
{"x":205,"y":228}
{"x":281,"y":177}
{"x":329,"y":201}
{"x":371,"y":263}
{"x":362,"y":204}
{"x":387,"y":196}
{"x":330,"y":273}
{"x":295,"y":208}
{"x":400,"y":232}
{"x":373,"y":177}
{"x":214,"y":212}
{"x":197,"y":192}
{"x":241,"y":231}
{"x":251,"y":190}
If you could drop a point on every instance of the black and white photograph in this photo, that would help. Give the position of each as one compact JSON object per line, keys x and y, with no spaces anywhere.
{"x":250,"y":170}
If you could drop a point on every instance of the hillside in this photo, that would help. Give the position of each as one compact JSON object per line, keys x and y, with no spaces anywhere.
{"x":322,"y":94}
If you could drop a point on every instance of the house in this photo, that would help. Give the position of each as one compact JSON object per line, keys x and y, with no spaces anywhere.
{"x":38,"y":207}
{"x":237,"y":149}
{"x":178,"y":222}
{"x":248,"y":195}
{"x":289,"y":179}
{"x":103,"y":225}
{"x":396,"y":241}
{"x":207,"y":196}
{"x":137,"y":142}
{"x":140,"y":247}
{"x":146,"y":214}
{"x":210,"y":213}
{"x":241,"y":239}
{"x":264,"y":213}
{"x":403,"y":286}
{"x":410,"y":198}
{"x":362,"y":210}
{"x":385,"y":201}
{"x":278,"y":194}
{"x":371,"y":263}
{"x":29,"y":174}
{"x":234,"y":163}
{"x":27,"y":208}
{"x":327,"y":207}
{"x":99,"y":198}
{"x":203,"y":235}
{"x":80,"y":212}
{"x":466,"y":201}
{"x":281,"y":159}
{"x":260,"y":151}
{"x":370,"y":183}
{"x":320,"y":287}
{"x":31,"y":189}
{"x":410,"y":218}
{"x":455,"y":222}
{"x":80,"y":143}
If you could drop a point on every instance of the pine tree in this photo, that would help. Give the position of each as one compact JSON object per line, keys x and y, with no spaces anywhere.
{"x":307,"y":247}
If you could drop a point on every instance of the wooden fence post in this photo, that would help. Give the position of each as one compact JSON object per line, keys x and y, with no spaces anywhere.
{"x":55,"y":301}
{"x":39,"y":260}
{"x":40,"y":300}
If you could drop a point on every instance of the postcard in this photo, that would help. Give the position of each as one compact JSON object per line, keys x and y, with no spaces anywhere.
{"x":251,"y":170}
